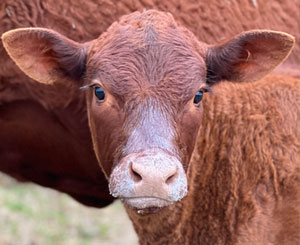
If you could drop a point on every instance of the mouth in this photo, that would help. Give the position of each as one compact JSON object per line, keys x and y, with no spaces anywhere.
{"x":145,"y":205}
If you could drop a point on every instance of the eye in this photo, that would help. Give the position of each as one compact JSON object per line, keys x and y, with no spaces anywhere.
{"x":198,"y":97}
{"x":100,"y":94}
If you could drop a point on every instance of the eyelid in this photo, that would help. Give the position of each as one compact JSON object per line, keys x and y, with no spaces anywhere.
{"x":91,"y":85}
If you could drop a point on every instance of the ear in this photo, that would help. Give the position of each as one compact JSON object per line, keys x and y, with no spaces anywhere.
{"x":248,"y":57}
{"x":45,"y":55}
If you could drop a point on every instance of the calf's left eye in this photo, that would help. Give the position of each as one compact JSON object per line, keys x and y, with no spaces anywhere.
{"x":198,"y":97}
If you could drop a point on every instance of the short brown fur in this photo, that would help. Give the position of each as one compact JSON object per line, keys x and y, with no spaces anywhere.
{"x":210,"y":22}
{"x":243,"y":176}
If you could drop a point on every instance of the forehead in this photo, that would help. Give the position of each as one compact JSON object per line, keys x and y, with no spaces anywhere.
{"x":146,"y":51}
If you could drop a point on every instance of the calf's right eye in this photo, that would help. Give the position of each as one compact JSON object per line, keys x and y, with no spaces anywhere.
{"x":100,"y":94}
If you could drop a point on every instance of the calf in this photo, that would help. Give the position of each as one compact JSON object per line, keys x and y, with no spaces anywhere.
{"x":234,"y":181}
{"x":57,"y":157}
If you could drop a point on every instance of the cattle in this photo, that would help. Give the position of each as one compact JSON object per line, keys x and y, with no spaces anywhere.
{"x":198,"y":144}
{"x":56,"y":157}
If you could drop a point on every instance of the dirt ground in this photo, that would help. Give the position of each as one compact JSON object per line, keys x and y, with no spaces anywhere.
{"x":33,"y":215}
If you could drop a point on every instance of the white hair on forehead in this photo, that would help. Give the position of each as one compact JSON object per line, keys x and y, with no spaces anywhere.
{"x":153,"y":130}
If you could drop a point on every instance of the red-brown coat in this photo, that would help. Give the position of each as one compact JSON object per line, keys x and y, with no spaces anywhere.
{"x":145,"y":78}
{"x":20,"y":96}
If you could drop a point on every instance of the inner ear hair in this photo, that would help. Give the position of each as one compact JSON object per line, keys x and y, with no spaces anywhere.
{"x":220,"y":61}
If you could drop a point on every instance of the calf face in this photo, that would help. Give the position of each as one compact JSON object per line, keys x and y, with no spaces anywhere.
{"x":144,"y":80}
{"x":149,"y":80}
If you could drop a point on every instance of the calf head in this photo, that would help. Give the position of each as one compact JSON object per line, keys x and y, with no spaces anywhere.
{"x":144,"y":80}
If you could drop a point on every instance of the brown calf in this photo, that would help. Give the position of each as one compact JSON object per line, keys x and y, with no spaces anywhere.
{"x":144,"y":80}
{"x":56,"y":158}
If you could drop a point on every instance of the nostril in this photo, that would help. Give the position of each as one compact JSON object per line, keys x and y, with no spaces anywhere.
{"x":171,"y":178}
{"x":135,"y":175}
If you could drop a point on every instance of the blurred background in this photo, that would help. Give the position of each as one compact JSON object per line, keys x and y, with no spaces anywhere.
{"x":34,"y":215}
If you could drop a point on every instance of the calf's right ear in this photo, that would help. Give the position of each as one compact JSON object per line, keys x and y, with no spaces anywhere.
{"x":45,"y":55}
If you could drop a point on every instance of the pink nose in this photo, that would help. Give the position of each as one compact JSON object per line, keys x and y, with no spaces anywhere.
{"x":142,"y":173}
{"x":152,"y":178}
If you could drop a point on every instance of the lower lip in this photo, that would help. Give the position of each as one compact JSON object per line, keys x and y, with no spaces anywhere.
{"x":143,"y":203}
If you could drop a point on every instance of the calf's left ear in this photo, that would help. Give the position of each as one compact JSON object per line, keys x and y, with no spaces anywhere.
{"x":247,"y":57}
{"x":45,"y":55}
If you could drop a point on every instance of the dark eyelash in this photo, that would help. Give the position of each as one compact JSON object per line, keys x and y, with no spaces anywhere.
{"x":207,"y":90}
{"x":92,"y":85}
